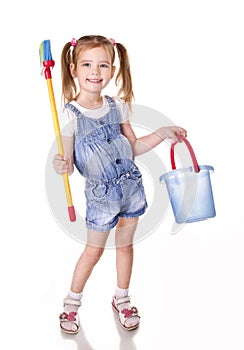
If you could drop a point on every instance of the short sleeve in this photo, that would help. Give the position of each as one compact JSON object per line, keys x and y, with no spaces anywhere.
{"x":123,"y":110}
{"x":67,"y":121}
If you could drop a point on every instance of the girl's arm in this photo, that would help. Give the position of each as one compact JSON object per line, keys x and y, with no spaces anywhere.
{"x":146,"y":143}
{"x":64,"y":164}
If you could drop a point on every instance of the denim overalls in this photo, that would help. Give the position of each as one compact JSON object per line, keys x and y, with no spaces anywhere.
{"x":103,"y":155}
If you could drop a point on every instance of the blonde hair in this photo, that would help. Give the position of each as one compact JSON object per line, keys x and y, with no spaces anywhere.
{"x":70,"y":55}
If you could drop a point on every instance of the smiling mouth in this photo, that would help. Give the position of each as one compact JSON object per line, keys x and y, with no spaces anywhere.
{"x":95,"y":81}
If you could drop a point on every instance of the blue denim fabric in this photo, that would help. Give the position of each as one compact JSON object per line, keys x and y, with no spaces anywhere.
{"x":103,"y":155}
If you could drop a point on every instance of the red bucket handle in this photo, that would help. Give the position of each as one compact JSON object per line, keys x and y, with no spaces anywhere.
{"x":193,"y":157}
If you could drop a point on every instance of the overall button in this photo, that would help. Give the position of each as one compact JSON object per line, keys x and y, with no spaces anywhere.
{"x":118,"y":161}
{"x":109,"y":140}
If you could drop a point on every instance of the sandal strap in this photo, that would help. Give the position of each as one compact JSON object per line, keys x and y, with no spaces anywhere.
{"x":69,"y":317}
{"x":121,"y":300}
{"x":129,"y":313}
{"x":68,"y":301}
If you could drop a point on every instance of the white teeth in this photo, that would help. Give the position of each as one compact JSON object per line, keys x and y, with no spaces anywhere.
{"x":94,"y":80}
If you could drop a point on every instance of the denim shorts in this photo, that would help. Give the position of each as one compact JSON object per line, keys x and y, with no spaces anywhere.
{"x":118,"y":197}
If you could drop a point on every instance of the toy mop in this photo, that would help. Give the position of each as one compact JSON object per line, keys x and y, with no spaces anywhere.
{"x":47,"y":62}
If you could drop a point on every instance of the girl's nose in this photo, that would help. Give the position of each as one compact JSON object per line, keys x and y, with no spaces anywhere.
{"x":96,"y":70}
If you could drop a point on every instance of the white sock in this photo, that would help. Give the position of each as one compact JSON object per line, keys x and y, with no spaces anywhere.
{"x":73,"y":296}
{"x":121,"y":293}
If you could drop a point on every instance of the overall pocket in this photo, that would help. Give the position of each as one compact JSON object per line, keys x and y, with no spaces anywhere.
{"x":98,"y":192}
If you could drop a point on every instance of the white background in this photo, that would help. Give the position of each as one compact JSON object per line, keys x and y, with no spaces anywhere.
{"x":187,"y":61}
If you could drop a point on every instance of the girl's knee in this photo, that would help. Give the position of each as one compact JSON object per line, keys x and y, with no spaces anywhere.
{"x":93,"y":253}
{"x":125,"y":248}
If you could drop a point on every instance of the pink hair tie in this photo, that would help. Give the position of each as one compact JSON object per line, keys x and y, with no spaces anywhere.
{"x":113,"y":41}
{"x":73,"y":42}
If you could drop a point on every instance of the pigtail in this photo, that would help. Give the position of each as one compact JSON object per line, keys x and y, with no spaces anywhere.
{"x":123,"y":78}
{"x":69,"y":88}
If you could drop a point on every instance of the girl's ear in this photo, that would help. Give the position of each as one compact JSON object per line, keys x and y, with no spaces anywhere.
{"x":113,"y":71}
{"x":72,"y":70}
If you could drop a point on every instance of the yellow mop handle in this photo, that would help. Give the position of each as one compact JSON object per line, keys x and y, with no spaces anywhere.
{"x":71,"y":209}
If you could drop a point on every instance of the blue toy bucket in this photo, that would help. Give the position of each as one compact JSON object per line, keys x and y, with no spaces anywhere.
{"x":190,"y":190}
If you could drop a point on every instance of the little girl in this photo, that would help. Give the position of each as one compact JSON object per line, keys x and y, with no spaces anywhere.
{"x":99,"y":140}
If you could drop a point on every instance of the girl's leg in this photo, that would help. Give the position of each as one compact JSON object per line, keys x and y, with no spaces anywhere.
{"x":124,"y":250}
{"x":93,"y":251}
{"x":124,"y":261}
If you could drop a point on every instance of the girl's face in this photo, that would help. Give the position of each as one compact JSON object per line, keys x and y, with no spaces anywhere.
{"x":94,"y":70}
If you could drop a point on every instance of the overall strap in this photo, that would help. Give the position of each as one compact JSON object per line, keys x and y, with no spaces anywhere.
{"x":73,"y":109}
{"x":111,"y":102}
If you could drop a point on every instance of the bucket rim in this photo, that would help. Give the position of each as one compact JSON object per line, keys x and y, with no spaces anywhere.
{"x":190,"y":169}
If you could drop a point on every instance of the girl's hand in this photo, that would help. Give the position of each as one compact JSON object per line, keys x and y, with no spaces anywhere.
{"x":172,"y":132}
{"x":62,"y":165}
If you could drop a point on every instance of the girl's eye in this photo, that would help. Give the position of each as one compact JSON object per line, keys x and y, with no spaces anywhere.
{"x":104,"y":65}
{"x":86,"y":64}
